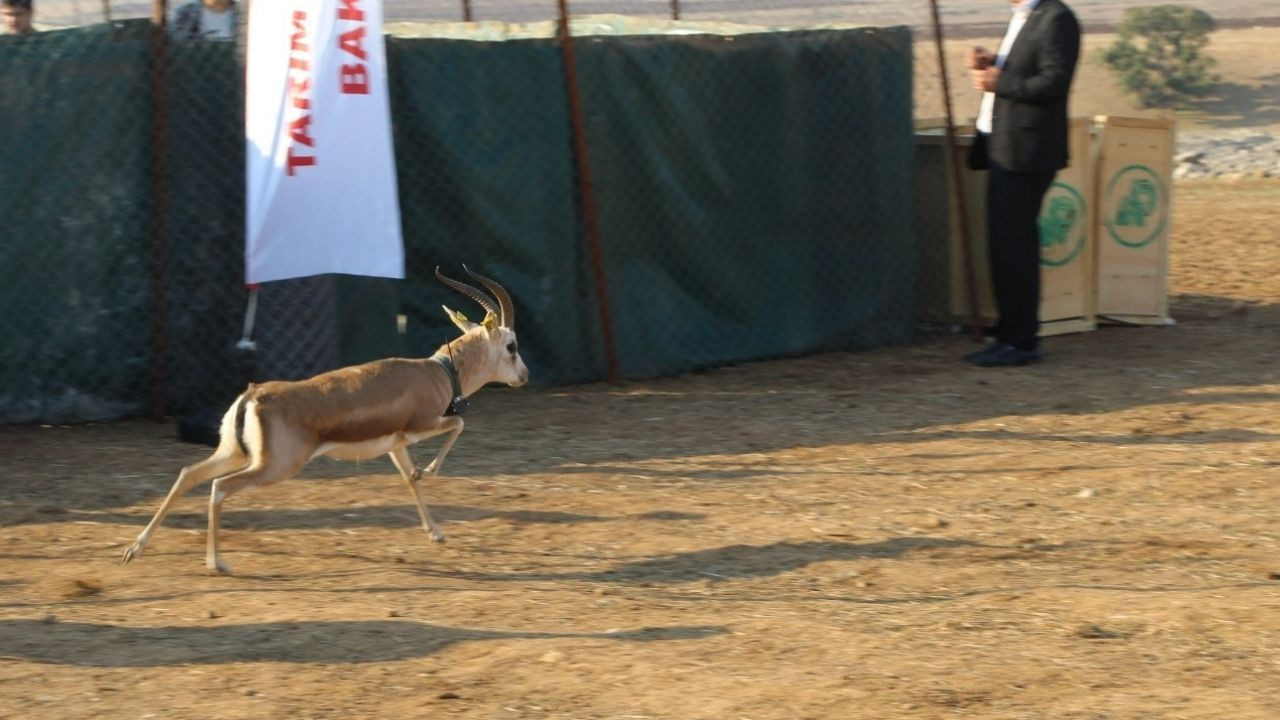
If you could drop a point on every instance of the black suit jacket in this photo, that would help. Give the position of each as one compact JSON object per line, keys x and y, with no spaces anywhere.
{"x":1029,"y":126}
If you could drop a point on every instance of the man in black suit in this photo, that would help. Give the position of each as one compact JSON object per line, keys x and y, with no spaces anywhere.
{"x":1022,"y":143}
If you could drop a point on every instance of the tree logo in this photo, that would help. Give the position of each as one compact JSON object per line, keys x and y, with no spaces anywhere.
{"x":1062,"y":225}
{"x":1137,"y":206}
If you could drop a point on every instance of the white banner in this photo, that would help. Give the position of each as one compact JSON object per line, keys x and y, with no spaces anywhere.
{"x":321,"y":181}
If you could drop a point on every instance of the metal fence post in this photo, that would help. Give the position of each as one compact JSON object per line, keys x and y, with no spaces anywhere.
{"x":957,"y":182}
{"x":586,"y":192}
{"x":159,"y":209}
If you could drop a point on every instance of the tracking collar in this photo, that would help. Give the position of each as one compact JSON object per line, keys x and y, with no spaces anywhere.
{"x":459,"y":403}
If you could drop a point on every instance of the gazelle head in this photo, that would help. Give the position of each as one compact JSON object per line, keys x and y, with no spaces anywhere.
{"x":497,"y":329}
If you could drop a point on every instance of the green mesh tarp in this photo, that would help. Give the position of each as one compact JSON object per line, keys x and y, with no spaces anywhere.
{"x":202,"y":171}
{"x":754,"y":195}
{"x":754,"y":192}
{"x":74,"y":244}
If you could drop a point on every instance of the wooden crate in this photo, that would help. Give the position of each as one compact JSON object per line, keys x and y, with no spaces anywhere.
{"x":1067,"y":244}
{"x":1067,"y":296}
{"x":1134,"y":200}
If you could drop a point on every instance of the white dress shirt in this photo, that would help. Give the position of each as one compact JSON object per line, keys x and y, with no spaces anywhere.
{"x":1021,"y":12}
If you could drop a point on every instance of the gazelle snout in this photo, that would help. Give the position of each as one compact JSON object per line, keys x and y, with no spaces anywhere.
{"x":522,"y":377}
{"x":521,"y":372}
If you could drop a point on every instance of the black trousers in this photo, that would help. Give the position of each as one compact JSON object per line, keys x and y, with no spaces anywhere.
{"x":1013,"y":247}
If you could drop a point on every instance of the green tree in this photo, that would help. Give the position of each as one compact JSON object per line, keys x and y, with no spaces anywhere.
{"x":1159,"y":55}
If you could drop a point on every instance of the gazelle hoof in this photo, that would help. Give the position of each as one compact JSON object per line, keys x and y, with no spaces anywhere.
{"x":131,"y":552}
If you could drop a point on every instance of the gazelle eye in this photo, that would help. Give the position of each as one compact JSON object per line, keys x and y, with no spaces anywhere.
{"x":511,"y":348}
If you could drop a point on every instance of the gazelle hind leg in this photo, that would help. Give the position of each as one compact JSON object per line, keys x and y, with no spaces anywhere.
{"x":227,"y":458}
{"x":278,"y":467}
{"x":404,"y":463}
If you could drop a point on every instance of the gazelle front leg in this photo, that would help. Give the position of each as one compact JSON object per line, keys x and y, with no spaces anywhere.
{"x":452,"y":425}
{"x":404,"y":463}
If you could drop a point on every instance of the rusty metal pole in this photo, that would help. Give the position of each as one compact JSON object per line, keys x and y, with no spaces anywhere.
{"x":466,"y":10}
{"x":586,"y":192}
{"x":957,"y":182}
{"x":159,"y":209}
{"x":675,"y":9}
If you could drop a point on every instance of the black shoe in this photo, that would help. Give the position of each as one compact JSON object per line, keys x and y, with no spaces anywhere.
{"x":973,"y":357}
{"x":1006,"y":355}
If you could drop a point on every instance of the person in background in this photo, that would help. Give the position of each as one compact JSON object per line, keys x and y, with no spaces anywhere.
{"x":17,"y":16}
{"x":204,"y":20}
{"x":1021,"y":143}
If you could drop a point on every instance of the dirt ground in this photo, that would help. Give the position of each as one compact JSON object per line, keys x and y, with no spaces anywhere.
{"x":888,"y":534}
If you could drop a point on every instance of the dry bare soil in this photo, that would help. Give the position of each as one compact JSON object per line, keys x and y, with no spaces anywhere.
{"x":888,"y":534}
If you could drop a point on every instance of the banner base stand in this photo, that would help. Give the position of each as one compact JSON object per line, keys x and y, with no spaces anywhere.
{"x":201,"y":427}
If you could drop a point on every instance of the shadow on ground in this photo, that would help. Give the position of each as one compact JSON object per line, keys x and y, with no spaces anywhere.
{"x":388,"y":516}
{"x":102,"y":645}
{"x":732,"y":562}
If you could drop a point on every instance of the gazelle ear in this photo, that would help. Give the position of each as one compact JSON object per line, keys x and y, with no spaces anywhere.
{"x":458,"y":319}
{"x":490,"y":322}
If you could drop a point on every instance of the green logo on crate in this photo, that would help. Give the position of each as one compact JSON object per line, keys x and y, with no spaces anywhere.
{"x":1062,"y":225}
{"x":1137,"y":206}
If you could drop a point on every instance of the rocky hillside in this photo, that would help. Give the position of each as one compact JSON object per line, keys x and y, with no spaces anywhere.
{"x":1235,"y":154}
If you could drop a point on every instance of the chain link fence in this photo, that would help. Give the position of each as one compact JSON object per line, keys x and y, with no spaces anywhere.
{"x":741,"y":183}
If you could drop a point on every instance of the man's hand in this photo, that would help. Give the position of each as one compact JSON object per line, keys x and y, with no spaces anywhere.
{"x":979,"y":58}
{"x":985,"y":80}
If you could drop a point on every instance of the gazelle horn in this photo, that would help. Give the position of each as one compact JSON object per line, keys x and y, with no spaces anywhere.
{"x":507,"y":318}
{"x":471,"y":292}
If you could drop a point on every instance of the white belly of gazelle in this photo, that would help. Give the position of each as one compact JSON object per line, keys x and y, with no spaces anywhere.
{"x":363,"y":450}
{"x":366,"y":449}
